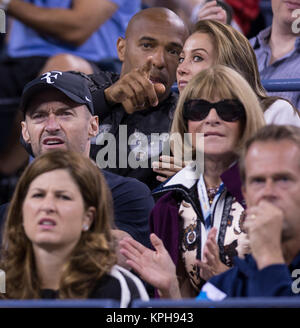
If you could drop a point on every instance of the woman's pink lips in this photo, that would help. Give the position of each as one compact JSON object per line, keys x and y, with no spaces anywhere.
{"x":50,"y":223}
{"x":214,"y":134}
{"x":182,"y":83}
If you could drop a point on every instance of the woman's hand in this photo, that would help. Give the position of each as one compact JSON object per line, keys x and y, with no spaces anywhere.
{"x":155,"y":267}
{"x":211,"y":264}
{"x":167,"y":166}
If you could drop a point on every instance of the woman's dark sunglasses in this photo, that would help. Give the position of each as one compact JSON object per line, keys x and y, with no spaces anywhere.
{"x":229,"y":110}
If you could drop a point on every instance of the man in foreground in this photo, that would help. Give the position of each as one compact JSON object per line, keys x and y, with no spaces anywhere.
{"x":270,"y":171}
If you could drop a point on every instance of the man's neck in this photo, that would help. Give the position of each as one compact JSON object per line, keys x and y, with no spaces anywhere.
{"x":282,"y":41}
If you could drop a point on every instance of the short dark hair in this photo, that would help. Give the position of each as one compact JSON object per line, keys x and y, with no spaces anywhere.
{"x":269,"y":133}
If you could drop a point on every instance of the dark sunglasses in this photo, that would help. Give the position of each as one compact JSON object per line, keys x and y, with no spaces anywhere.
{"x":229,"y":110}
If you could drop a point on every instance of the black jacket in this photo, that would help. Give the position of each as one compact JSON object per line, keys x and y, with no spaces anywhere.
{"x":144,"y":147}
{"x":132,"y":203}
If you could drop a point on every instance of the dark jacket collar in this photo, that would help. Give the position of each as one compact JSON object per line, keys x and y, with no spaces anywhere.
{"x":233,"y":183}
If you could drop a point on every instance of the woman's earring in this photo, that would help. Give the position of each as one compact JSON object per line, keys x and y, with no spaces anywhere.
{"x":85,"y":227}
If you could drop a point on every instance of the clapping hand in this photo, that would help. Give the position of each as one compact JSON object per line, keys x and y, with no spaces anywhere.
{"x":211,"y":264}
{"x":155,"y":267}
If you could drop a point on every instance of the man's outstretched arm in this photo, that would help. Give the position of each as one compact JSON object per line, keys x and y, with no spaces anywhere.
{"x":74,"y":25}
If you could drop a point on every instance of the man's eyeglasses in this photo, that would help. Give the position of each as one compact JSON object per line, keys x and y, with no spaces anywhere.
{"x":229,"y":110}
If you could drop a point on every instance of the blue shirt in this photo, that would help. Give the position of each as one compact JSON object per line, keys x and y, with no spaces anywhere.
{"x":287,"y":67}
{"x":26,"y":42}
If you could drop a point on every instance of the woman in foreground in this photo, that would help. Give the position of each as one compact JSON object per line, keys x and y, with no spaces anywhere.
{"x":57,"y":240}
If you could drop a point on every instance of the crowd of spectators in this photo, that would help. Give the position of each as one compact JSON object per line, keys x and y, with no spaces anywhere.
{"x":140,"y":133}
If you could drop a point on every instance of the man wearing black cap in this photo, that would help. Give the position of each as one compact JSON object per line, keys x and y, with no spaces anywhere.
{"x":58,"y":113}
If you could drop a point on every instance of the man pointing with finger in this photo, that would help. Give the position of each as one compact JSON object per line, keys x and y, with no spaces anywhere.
{"x":140,"y":98}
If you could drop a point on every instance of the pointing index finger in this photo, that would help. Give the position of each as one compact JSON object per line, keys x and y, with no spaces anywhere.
{"x":146,"y":68}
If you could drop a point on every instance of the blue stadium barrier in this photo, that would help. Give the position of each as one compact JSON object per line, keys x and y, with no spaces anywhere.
{"x":282,"y":85}
{"x":271,"y":85}
{"x":274,"y":302}
{"x":104,"y":303}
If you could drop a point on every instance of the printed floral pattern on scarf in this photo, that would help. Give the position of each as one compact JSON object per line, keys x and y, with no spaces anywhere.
{"x":235,"y":242}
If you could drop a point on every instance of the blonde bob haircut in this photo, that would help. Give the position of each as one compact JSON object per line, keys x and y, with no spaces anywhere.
{"x":92,"y":257}
{"x":214,"y":84}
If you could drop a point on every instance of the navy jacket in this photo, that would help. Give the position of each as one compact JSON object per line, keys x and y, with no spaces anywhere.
{"x":244,"y":279}
{"x":132,"y":205}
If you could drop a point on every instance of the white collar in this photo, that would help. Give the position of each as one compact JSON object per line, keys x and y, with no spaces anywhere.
{"x":186,"y":177}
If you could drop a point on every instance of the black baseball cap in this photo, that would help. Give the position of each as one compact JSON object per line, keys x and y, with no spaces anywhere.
{"x":74,"y":85}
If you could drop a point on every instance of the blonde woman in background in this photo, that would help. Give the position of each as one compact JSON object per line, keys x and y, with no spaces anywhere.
{"x":199,"y":219}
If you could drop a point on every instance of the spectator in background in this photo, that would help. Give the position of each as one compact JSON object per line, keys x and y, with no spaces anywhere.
{"x":239,"y":14}
{"x":84,"y":28}
{"x":277,"y":48}
{"x":215,"y":43}
{"x":60,"y":212}
{"x":182,"y":8}
{"x":59,"y":113}
{"x":245,"y":12}
{"x":199,"y":216}
{"x":216,"y":10}
{"x":189,"y":10}
{"x":141,"y":96}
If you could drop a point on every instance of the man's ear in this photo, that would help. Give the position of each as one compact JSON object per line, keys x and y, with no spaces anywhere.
{"x":25,"y":133}
{"x":94,"y":126}
{"x":121,"y":47}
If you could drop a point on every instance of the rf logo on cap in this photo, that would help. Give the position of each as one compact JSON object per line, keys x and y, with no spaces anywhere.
{"x":47,"y":76}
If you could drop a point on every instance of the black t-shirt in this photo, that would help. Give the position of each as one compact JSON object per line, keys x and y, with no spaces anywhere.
{"x":109,"y":287}
{"x":147,"y":132}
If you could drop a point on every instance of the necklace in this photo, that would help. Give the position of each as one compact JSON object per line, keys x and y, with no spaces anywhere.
{"x":211,"y":193}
